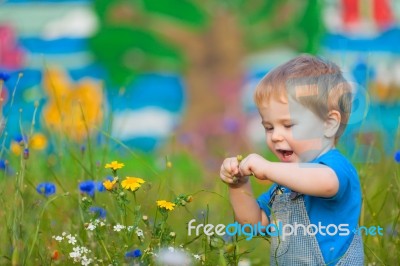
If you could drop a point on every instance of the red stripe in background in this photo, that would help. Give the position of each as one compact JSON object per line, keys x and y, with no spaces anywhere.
{"x":382,"y":12}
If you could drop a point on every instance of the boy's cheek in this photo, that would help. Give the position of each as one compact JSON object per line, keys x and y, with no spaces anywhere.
{"x":304,"y":132}
{"x":308,"y":149}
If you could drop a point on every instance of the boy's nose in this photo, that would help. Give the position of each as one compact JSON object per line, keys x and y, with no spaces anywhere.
{"x":276,"y":136}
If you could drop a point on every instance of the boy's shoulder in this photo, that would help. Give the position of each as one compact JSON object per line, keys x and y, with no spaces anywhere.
{"x":338,"y":162}
{"x":333,"y":155}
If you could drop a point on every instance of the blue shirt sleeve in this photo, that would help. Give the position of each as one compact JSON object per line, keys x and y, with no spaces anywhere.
{"x":342,"y":169}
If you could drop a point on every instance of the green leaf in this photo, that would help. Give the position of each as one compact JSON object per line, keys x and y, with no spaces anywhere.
{"x":101,"y":6}
{"x":303,"y":32}
{"x":262,"y":12}
{"x":183,"y":10}
{"x":312,"y":25}
{"x":117,"y":40}
{"x":127,"y":51}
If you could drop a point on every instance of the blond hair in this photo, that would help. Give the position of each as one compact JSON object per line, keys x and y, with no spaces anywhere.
{"x":315,"y":83}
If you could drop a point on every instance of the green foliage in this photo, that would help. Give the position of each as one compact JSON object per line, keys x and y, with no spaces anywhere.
{"x":185,"y":11}
{"x":126,"y":51}
{"x":289,"y":23}
{"x":127,"y":44}
{"x":129,"y":39}
{"x":134,"y":221}
{"x":312,"y":27}
{"x":257,"y":11}
{"x":37,"y":226}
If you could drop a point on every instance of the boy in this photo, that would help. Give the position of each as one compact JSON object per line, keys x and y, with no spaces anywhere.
{"x":304,"y":105}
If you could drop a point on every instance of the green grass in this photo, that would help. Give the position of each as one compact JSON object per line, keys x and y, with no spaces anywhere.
{"x":31,"y":219}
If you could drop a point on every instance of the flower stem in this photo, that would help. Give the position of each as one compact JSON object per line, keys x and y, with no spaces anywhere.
{"x":105,"y":249}
{"x":38,"y":225}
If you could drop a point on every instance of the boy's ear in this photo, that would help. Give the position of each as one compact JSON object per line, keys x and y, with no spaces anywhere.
{"x":332,"y":124}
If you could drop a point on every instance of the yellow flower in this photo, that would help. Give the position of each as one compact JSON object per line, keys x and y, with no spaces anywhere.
{"x":38,"y":142}
{"x":82,"y":100}
{"x":132,"y":183}
{"x":165,"y":204}
{"x":114,"y":165}
{"x":109,"y":185}
{"x":15,"y":148}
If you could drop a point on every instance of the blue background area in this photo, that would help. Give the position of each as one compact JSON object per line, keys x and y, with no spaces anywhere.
{"x":153,"y":89}
{"x":51,"y":47}
{"x":388,"y":41}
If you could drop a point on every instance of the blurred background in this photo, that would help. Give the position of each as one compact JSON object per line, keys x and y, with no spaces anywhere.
{"x":181,"y":74}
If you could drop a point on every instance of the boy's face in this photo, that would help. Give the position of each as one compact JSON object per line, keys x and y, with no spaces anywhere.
{"x":293,"y":132}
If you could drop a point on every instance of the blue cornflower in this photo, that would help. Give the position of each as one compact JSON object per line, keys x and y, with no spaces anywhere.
{"x":4,"y":76}
{"x":99,"y":186}
{"x":397,"y":156}
{"x":98,"y":212}
{"x":46,"y":188}
{"x":3,"y":165}
{"x":87,"y":187}
{"x":19,"y":138}
{"x":227,"y":238}
{"x":26,"y":153}
{"x":133,"y":254}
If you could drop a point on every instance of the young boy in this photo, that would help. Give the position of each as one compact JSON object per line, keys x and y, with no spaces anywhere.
{"x":304,"y":105}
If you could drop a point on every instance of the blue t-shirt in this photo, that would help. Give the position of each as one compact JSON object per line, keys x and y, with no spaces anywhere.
{"x":343,"y":208}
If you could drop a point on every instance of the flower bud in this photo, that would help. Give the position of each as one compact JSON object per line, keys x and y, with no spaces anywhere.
{"x":189,"y":198}
{"x":26,"y":154}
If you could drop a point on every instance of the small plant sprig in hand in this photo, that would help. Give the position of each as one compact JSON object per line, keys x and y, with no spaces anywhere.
{"x":235,"y":179}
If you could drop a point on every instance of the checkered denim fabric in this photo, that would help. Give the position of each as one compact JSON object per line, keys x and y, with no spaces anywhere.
{"x":303,"y":249}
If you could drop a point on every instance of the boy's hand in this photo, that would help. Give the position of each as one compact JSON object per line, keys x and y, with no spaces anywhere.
{"x":230,"y":173}
{"x":253,"y":164}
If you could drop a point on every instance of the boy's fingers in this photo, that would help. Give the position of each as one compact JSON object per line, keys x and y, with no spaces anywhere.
{"x":230,"y":168}
{"x":226,"y":178}
{"x":226,"y":168}
{"x":234,"y":165}
{"x":242,"y":166}
{"x":225,"y":175}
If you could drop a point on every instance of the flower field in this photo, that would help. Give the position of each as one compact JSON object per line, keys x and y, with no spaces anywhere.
{"x":101,"y":203}
{"x":74,"y":206}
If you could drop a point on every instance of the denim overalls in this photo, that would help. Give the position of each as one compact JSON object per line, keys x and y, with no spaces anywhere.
{"x":303,"y":249}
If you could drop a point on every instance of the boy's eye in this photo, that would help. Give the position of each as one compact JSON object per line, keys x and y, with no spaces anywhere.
{"x":288,"y":126}
{"x":268,"y":129}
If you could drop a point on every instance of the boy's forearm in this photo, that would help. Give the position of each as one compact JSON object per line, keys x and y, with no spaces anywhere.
{"x":244,"y":205}
{"x":306,"y":178}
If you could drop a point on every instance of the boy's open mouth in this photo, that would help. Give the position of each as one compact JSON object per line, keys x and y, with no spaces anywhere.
{"x":285,"y":153}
